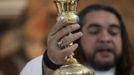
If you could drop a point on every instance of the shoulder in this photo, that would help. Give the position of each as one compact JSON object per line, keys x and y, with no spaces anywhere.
{"x":33,"y":67}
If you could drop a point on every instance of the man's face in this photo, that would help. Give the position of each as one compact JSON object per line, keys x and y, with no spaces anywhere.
{"x":101,"y":40}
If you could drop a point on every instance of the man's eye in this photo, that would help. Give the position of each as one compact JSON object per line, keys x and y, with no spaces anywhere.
{"x":114,"y":31}
{"x":93,"y":31}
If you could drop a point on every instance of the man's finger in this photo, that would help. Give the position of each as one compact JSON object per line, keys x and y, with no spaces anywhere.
{"x":67,"y":51}
{"x":60,"y":24}
{"x":66,"y":30}
{"x":71,"y":38}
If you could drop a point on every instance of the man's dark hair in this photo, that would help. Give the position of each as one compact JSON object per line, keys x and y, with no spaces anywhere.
{"x":125,"y":64}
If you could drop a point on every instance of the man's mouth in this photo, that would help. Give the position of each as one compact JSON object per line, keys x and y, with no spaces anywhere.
{"x":105,"y":52}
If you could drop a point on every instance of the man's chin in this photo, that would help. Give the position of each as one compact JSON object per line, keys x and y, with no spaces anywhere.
{"x":102,"y":64}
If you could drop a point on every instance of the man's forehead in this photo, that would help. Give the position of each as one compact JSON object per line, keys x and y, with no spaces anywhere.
{"x":101,"y":17}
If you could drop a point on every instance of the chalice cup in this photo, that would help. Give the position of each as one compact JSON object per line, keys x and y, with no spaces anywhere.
{"x":67,"y":10}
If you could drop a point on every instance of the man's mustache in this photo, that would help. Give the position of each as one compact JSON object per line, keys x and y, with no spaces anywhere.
{"x":104,"y":47}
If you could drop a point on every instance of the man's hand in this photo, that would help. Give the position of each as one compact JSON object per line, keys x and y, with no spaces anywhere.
{"x":58,"y":33}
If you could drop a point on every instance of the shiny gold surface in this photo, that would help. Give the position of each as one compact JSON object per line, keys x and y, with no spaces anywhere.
{"x":73,"y":69}
{"x":67,"y":10}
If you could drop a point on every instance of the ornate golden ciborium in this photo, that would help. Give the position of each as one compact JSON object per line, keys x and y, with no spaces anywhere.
{"x":67,"y":10}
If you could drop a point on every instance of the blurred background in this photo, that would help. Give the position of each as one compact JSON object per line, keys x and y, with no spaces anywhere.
{"x":24,"y":25}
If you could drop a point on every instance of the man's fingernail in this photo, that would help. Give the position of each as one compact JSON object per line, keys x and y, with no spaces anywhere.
{"x":77,"y":26}
{"x":80,"y":33}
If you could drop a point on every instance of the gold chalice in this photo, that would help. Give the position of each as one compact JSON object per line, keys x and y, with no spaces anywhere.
{"x":67,"y":10}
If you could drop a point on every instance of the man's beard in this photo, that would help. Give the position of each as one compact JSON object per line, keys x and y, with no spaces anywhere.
{"x":101,"y":65}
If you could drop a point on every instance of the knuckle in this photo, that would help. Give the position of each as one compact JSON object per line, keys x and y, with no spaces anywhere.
{"x":49,"y":40}
{"x":72,"y":48}
{"x":70,"y":27}
{"x":72,"y":36}
{"x":61,"y":33}
{"x":65,"y":39}
{"x":75,"y":36}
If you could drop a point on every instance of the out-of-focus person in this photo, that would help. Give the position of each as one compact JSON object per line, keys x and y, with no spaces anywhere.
{"x":24,"y":41}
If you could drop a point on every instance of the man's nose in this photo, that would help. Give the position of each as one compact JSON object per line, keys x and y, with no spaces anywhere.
{"x":104,"y":37}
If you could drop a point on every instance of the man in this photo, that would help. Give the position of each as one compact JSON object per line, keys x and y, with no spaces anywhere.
{"x":102,"y":44}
